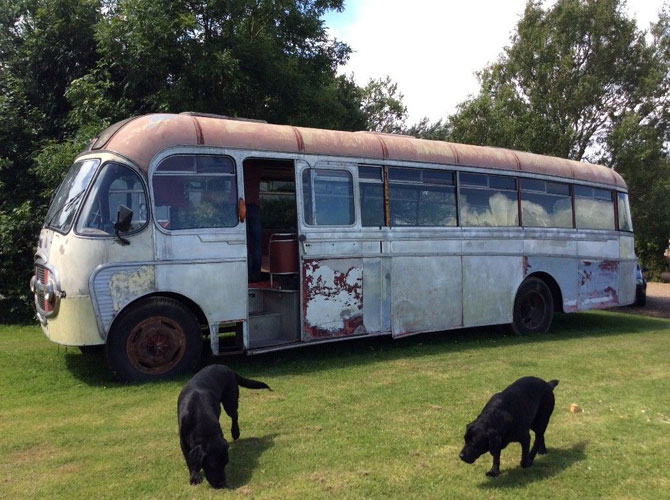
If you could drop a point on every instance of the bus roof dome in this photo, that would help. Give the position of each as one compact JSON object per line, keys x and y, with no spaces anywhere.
{"x":141,"y":138}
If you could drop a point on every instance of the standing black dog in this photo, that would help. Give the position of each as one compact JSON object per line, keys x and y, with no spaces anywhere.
{"x":507,"y":418}
{"x":199,"y":409}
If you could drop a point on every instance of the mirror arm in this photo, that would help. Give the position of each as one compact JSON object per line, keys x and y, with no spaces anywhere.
{"x":120,"y":238}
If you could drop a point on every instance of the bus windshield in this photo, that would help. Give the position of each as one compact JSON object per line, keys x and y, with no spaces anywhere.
{"x":69,"y":194}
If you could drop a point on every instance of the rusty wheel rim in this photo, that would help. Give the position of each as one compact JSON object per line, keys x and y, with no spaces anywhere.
{"x":156,"y":345}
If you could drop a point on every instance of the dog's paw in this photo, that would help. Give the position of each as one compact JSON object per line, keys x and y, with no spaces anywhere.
{"x":542,"y":451}
{"x":526,"y":463}
{"x":196,"y":478}
{"x":493,"y":473}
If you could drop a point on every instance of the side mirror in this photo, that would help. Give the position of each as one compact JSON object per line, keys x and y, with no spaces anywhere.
{"x":124,"y":218}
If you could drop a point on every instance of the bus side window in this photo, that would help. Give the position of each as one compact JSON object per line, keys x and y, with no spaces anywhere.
{"x":594,"y":208}
{"x":488,"y":200}
{"x":545,"y":204}
{"x":625,"y":221}
{"x":195,"y":191}
{"x":422,"y":197}
{"x":328,"y":197}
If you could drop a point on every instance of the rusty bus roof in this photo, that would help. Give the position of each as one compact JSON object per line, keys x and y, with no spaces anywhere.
{"x":140,"y":138}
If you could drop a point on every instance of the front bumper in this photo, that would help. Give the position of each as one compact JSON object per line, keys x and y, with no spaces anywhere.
{"x":75,"y":324}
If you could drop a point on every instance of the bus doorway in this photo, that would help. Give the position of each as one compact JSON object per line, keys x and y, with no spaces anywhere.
{"x":272,"y":252}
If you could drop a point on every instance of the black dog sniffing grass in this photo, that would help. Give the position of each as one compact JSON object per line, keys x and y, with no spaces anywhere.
{"x":508,"y":417}
{"x":199,"y":409}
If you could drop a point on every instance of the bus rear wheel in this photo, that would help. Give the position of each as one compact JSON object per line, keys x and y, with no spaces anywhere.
{"x":158,"y":338}
{"x":533,"y":308}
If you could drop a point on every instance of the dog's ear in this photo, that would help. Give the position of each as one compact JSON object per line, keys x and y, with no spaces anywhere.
{"x":495,"y":441}
{"x":196,"y":456}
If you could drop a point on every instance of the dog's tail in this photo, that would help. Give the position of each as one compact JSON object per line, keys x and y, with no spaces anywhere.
{"x":250,"y":384}
{"x":553,"y":383}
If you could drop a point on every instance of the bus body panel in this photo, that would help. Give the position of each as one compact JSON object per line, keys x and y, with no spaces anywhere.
{"x":626,"y":247}
{"x":427,"y":293}
{"x":489,"y":287}
{"x":627,"y":281}
{"x":75,"y":324}
{"x":75,"y":258}
{"x":376,"y":296}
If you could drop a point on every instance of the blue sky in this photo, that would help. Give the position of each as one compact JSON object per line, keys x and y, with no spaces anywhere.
{"x":432,"y":48}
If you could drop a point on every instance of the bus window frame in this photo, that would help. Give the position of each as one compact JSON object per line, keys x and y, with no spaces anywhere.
{"x":352,"y":169}
{"x":87,"y":190}
{"x":195,"y":151}
{"x":97,"y":174}
{"x":488,"y":173}
{"x":387,"y":181}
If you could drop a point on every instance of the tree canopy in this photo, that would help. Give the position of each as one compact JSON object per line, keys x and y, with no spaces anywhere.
{"x":579,"y":80}
{"x":69,"y":68}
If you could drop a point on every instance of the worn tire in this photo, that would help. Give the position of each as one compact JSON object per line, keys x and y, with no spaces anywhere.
{"x":640,"y":299}
{"x":533,"y":308}
{"x":155,"y":339}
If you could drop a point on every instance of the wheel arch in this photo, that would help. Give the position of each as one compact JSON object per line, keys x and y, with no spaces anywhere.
{"x":191,"y":305}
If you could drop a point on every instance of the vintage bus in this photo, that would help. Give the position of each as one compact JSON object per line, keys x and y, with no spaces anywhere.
{"x":148,"y":244}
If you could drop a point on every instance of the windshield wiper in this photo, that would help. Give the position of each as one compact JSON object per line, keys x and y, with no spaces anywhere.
{"x":67,"y":205}
{"x":74,"y":199}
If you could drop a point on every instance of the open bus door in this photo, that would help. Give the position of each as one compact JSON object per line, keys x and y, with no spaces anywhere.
{"x":331,"y":253}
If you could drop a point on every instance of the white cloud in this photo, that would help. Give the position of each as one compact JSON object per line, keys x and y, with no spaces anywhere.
{"x":432,"y":49}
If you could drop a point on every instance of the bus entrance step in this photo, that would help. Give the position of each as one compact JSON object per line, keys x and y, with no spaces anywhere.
{"x":264,"y":328}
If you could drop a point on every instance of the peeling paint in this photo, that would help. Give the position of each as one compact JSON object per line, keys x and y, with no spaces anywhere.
{"x":333,"y":298}
{"x":125,"y":286}
{"x":609,"y":265}
{"x":598,"y":284}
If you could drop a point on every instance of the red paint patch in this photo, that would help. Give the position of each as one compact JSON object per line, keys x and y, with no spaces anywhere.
{"x":609,"y":265}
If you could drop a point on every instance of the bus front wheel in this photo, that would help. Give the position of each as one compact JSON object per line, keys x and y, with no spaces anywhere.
{"x":533,"y":308}
{"x":157,"y":338}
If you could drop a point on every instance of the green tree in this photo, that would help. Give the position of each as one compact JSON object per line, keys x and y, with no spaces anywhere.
{"x":383,"y":107}
{"x":69,"y":68}
{"x":267,"y":59}
{"x":41,"y":52}
{"x":580,"y":81}
{"x":637,"y":148}
{"x":570,"y":72}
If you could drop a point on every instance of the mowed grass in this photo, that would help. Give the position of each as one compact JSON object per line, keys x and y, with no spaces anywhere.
{"x":372,"y":418}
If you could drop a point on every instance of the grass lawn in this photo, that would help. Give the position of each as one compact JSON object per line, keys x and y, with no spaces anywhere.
{"x":371,"y":418}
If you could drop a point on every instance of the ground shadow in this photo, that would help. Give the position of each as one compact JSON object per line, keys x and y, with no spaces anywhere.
{"x":545,"y":466}
{"x":89,"y":368}
{"x":244,"y":456}
{"x":368,"y":350}
{"x":92,"y":370}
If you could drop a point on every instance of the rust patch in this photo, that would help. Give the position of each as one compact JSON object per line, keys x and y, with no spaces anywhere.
{"x":609,"y":266}
{"x":526,"y":266}
{"x":598,"y":284}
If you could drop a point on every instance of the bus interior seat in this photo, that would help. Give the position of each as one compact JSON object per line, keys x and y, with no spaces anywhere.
{"x":283,"y":257}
